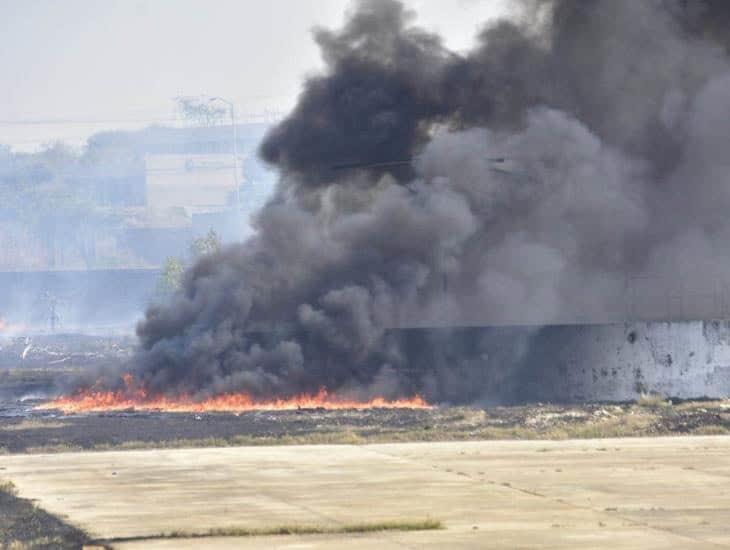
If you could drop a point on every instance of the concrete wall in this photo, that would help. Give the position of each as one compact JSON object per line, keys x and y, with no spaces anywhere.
{"x":560,"y":363}
{"x":570,"y":363}
{"x":619,"y":362}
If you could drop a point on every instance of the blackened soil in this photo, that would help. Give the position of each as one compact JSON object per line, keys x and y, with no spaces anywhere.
{"x":22,"y":429}
{"x":24,"y":525}
{"x":689,"y":421}
{"x":22,"y":433}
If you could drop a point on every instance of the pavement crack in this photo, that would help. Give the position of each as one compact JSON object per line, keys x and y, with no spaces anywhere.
{"x":556,"y":500}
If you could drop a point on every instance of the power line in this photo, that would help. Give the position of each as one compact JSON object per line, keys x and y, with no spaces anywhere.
{"x":22,"y":121}
{"x":244,"y":118}
{"x":50,"y":122}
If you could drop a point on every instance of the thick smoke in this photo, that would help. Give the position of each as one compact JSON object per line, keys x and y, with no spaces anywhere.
{"x":577,"y":153}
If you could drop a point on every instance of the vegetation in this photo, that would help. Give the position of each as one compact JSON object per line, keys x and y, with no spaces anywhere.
{"x":8,"y":487}
{"x":48,"y":211}
{"x":200,"y":111}
{"x":171,"y":276}
{"x":292,"y":529}
{"x":23,"y":525}
{"x":641,"y":427}
{"x":652,"y":400}
{"x":31,"y":424}
{"x":203,"y":246}
{"x":544,"y":422}
{"x":172,"y":273}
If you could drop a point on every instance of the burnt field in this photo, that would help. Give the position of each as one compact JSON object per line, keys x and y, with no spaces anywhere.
{"x":25,"y":430}
{"x":35,"y":366}
{"x":33,"y":369}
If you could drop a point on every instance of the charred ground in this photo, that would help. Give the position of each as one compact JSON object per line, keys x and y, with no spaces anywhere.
{"x":48,"y":432}
{"x":30,"y":376}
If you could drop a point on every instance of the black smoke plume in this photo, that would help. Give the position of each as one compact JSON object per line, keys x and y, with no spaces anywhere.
{"x":580,"y":147}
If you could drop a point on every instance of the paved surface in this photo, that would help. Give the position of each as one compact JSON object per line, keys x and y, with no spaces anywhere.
{"x":618,"y":493}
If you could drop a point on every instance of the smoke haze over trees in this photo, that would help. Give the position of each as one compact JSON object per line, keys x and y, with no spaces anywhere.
{"x":580,"y":145}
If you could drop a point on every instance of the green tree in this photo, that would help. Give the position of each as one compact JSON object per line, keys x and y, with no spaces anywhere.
{"x":173,"y":270}
{"x":203,"y":246}
{"x":40,"y":193}
{"x":199,"y":111}
{"x":171,"y":277}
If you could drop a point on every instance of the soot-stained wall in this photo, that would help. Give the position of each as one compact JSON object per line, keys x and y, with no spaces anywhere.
{"x":571,"y":363}
{"x":618,"y":362}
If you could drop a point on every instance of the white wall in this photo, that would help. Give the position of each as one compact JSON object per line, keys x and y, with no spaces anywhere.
{"x":619,"y":362}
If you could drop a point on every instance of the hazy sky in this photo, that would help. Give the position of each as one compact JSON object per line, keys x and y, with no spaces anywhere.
{"x":71,"y":67}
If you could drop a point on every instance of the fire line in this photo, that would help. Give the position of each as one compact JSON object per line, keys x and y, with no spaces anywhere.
{"x":134,"y":397}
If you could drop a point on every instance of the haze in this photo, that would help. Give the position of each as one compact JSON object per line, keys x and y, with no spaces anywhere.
{"x":77,"y":67}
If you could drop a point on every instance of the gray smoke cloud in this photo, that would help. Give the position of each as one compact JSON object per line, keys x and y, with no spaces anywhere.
{"x":579,"y":150}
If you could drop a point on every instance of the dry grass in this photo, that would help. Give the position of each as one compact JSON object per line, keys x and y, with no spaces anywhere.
{"x":630,"y":425}
{"x":8,"y":487}
{"x":24,"y":525}
{"x":712,"y":429}
{"x":56,"y":448}
{"x":651,"y":415}
{"x":719,"y":404}
{"x":291,"y":529}
{"x":39,"y":542}
{"x":32,"y":424}
{"x":316,"y":438}
{"x":652,"y":401}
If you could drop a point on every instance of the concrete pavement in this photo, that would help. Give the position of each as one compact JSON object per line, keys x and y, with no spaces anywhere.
{"x":617,"y":493}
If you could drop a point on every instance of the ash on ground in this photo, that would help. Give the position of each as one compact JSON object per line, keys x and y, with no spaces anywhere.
{"x":47,"y":432}
{"x":32,"y":368}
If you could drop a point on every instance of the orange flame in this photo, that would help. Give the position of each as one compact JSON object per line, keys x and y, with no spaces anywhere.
{"x":136,"y":398}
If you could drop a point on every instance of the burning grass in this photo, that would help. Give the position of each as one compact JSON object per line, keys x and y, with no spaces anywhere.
{"x":289,"y":529}
{"x":135,"y":397}
{"x":450,"y":425}
{"x":123,"y":431}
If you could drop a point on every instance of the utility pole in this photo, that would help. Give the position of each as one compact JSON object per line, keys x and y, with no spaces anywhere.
{"x":235,"y":148}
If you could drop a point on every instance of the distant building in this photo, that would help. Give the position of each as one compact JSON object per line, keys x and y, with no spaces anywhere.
{"x":84,"y":241}
{"x":195,"y":165}
{"x":187,"y":182}
{"x":193,"y":181}
{"x":132,"y":199}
